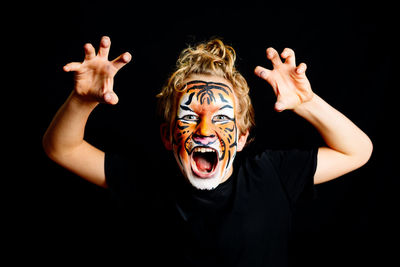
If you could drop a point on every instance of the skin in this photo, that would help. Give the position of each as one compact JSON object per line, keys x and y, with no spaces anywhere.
{"x":347,"y":147}
{"x":206,"y":119}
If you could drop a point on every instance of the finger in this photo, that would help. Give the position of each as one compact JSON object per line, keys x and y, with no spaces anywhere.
{"x":261,"y":72}
{"x":288,"y":55}
{"x":104,"y":49}
{"x":89,"y":51}
{"x":301,"y":69}
{"x":122,"y":60}
{"x":274,"y":57}
{"x":111,"y":98}
{"x":73,"y":66}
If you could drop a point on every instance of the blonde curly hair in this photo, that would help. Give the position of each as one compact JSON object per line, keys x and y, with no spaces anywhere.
{"x":208,"y":58}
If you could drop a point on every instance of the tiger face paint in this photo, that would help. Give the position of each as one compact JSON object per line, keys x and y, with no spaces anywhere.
{"x":205,"y":133}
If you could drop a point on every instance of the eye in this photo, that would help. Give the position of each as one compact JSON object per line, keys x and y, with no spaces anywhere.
{"x":220,"y":118}
{"x":190,"y":118}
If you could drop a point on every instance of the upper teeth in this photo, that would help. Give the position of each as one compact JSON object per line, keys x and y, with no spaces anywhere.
{"x":203,"y":149}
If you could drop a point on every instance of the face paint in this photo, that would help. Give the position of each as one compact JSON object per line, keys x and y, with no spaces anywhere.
{"x":205,"y":133}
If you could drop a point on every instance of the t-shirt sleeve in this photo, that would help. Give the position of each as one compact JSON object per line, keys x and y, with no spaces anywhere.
{"x":295,"y":169}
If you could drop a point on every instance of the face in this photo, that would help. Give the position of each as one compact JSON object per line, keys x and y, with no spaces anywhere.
{"x":205,"y":135}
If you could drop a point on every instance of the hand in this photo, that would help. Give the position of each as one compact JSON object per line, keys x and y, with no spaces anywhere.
{"x":94,"y":77}
{"x":289,"y":82}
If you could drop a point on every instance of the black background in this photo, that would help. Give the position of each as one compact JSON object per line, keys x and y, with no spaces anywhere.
{"x":349,"y":49}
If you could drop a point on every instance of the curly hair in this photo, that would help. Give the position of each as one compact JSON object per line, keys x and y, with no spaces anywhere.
{"x":209,"y":58}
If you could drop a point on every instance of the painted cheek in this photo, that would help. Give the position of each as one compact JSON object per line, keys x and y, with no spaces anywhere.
{"x":182,"y":132}
{"x":227,"y":133}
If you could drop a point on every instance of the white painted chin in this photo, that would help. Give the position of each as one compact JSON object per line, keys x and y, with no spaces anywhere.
{"x":204,"y":183}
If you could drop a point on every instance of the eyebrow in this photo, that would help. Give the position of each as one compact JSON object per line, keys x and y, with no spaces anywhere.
{"x":226,"y":106}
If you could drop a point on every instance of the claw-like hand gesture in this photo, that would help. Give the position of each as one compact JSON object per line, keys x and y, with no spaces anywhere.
{"x":94,"y":77}
{"x":289,"y":81}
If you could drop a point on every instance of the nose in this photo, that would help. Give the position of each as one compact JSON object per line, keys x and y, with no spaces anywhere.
{"x":204,"y":134}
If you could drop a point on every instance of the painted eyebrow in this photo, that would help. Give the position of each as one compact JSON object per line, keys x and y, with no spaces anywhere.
{"x":226,"y":106}
{"x":185,"y":108}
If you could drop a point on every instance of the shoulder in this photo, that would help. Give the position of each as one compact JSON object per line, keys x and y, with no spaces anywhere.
{"x":257,"y":166}
{"x":289,"y":164}
{"x":274,"y":159}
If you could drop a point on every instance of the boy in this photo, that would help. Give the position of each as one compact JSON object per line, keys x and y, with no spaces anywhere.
{"x":225,"y":212}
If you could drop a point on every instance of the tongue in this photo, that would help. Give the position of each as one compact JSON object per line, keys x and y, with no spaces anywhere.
{"x":203,"y":164}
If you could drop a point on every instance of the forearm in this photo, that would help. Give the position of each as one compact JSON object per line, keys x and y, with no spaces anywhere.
{"x":338,"y":132}
{"x":66,"y":131}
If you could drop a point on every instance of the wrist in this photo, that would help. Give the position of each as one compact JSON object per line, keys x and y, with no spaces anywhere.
{"x":80,"y":102}
{"x":306,"y":107}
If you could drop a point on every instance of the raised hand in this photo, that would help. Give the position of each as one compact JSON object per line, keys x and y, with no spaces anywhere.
{"x":289,"y":81}
{"x":94,"y":77}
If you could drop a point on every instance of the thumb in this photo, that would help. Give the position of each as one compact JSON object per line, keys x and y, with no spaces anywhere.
{"x":280,"y":105}
{"x":110,"y":98}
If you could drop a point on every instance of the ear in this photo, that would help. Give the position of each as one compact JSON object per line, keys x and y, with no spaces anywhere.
{"x":242,"y":141}
{"x":165,"y":136}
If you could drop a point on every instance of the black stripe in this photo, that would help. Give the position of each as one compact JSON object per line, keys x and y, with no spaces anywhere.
{"x":222,"y":98}
{"x":208,"y":83}
{"x":229,"y":158}
{"x":226,"y":106}
{"x":190,"y":99}
{"x":211,"y":85}
{"x":182,"y":127}
{"x":186,"y":108}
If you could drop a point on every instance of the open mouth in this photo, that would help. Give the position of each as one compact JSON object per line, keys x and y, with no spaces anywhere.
{"x":204,"y":161}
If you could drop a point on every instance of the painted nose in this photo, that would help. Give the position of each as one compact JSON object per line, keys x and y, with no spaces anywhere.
{"x":204,"y":140}
{"x":204,"y":134}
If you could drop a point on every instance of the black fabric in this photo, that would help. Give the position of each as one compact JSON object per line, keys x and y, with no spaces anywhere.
{"x":245,"y":221}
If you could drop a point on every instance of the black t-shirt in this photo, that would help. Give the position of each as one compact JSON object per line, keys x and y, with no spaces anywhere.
{"x":245,"y":221}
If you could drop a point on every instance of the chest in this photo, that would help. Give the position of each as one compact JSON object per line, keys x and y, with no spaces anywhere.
{"x":255,"y":223}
